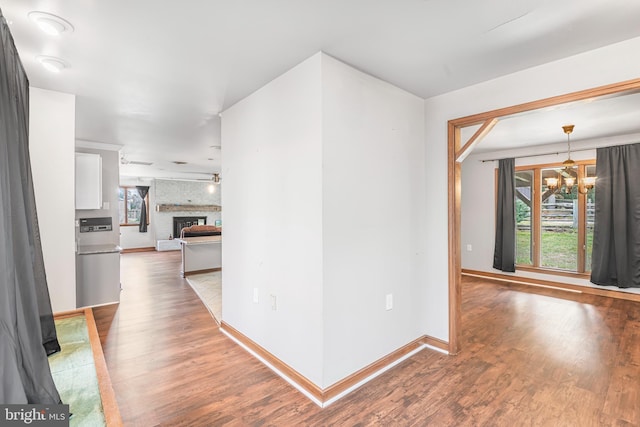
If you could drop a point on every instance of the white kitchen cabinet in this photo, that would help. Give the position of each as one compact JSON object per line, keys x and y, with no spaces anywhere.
{"x":88,"y":181}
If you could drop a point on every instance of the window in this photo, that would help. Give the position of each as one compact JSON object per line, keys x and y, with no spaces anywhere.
{"x":130,"y":206}
{"x":524,"y":192}
{"x":554,"y":228}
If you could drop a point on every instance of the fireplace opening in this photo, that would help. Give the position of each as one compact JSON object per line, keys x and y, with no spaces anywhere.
{"x":180,"y":222}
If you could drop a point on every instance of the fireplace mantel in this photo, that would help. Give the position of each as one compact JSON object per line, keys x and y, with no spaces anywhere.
{"x":187,"y":208}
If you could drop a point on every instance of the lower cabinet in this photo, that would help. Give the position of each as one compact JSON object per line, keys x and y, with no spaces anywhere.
{"x":98,"y":279}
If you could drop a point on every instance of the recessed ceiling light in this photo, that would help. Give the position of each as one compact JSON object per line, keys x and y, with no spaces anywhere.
{"x":51,"y":24}
{"x":51,"y":63}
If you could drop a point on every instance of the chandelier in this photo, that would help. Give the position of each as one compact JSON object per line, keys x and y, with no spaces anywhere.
{"x":568,"y":173}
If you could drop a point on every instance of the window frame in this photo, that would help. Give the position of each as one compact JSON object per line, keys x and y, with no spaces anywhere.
{"x":536,"y":221}
{"x":146,"y":200}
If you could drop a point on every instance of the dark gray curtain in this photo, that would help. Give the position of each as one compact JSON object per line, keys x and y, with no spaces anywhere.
{"x":616,"y":234}
{"x":142,"y":191}
{"x":26,"y":320}
{"x":505,"y":247}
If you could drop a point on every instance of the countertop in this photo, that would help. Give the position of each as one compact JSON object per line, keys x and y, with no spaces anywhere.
{"x":200,"y":240}
{"x":98,"y":249}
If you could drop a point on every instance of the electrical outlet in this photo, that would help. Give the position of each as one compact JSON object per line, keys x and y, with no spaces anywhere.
{"x":389,"y":302}
{"x":256,"y":296}
{"x":274,"y":306}
{"x":469,"y":247}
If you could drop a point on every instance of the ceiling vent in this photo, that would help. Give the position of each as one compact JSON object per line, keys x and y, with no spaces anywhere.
{"x":125,"y":161}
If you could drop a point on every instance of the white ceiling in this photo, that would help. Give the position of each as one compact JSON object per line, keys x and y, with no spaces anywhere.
{"x":593,"y":119}
{"x":152,"y":75}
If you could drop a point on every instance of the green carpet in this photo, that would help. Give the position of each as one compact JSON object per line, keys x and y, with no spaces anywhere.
{"x":74,"y":373}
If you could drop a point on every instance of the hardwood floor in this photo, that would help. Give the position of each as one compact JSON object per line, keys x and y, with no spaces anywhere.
{"x":548,"y":358}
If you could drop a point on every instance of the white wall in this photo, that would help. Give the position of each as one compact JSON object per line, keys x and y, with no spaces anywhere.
{"x":324,"y":196}
{"x":51,"y":147}
{"x":272,"y":219}
{"x":594,"y":68}
{"x":132,"y":238}
{"x":373,"y":209}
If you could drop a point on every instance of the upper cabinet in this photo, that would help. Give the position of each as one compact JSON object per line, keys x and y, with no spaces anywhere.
{"x":88,"y":181}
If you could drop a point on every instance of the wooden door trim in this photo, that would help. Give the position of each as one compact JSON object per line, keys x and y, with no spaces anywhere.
{"x":475,"y":139}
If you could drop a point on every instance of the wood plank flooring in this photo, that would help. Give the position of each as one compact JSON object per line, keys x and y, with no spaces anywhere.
{"x":549,"y":358}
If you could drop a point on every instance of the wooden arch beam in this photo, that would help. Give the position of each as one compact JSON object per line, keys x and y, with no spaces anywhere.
{"x":486,"y":127}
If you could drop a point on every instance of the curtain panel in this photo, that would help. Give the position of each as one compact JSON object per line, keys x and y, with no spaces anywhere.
{"x":142,"y":192}
{"x":616,"y":234}
{"x":505,"y":239}
{"x":27,"y":331}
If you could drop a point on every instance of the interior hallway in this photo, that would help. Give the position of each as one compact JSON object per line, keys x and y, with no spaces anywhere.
{"x":550,"y":358}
